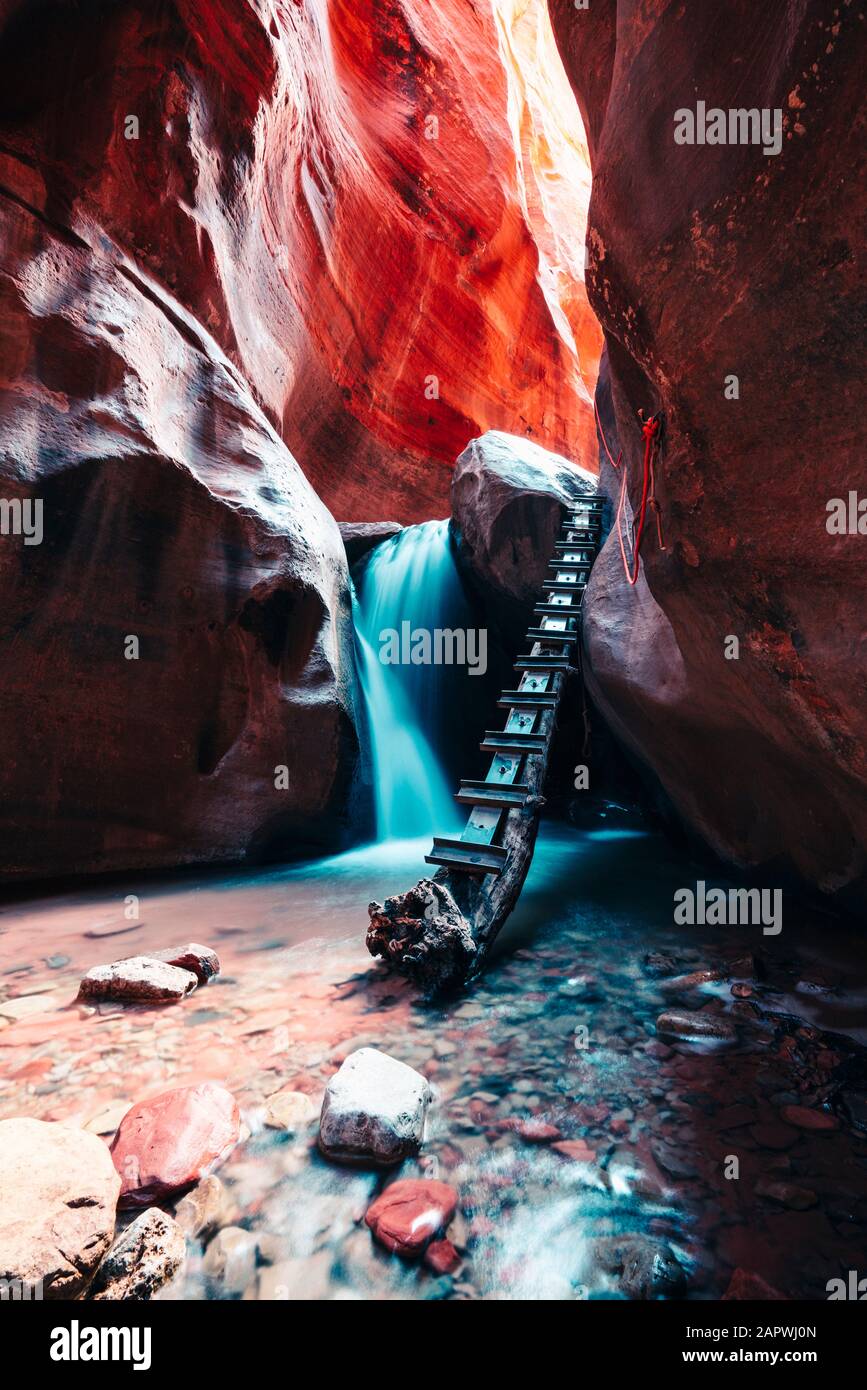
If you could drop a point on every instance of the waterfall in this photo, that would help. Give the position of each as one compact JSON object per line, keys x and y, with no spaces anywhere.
{"x":412,"y":579}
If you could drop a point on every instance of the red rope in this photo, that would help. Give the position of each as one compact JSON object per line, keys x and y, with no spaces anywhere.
{"x":650,"y":430}
{"x":604,"y":440}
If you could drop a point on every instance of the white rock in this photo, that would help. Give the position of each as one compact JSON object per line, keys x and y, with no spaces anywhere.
{"x":374,"y":1110}
{"x":139,"y":978}
{"x":58,"y":1197}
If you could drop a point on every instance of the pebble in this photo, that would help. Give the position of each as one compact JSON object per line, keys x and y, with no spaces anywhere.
{"x":292,"y":1111}
{"x":681,"y":1023}
{"x":200,"y":1210}
{"x":409,"y":1213}
{"x":804,"y":1118}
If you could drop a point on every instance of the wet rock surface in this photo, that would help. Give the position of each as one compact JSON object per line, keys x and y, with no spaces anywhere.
{"x":58,"y":1196}
{"x":167,"y":1143}
{"x":359,"y":537}
{"x":410,"y":1213}
{"x":647,"y":1124}
{"x":145,"y":1258}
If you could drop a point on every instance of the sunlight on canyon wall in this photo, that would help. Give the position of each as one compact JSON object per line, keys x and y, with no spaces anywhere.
{"x":553,"y":172}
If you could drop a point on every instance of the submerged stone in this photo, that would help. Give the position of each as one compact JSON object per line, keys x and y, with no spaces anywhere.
{"x":410,"y":1213}
{"x":169,"y":1142}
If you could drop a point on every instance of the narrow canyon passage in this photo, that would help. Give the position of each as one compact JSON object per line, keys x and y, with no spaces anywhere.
{"x":433,"y":675}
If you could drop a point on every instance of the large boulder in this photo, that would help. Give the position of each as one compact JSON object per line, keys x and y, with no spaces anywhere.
{"x":509,"y":497}
{"x":169,"y":1142}
{"x":373,"y":1110}
{"x":58,"y":1198}
{"x":707,"y":263}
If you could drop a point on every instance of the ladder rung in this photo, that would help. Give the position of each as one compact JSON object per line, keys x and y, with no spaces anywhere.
{"x":464,"y":854}
{"x":559,"y":565}
{"x":527,"y":699}
{"x":546,"y":634}
{"x":566,"y":586}
{"x":492,"y":793}
{"x":499,"y":741}
{"x":578,"y":541}
{"x":540,"y":662}
{"x":556,"y":610}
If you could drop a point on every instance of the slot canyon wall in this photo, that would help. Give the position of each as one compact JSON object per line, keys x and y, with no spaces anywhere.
{"x":706,"y":261}
{"x":264,"y":264}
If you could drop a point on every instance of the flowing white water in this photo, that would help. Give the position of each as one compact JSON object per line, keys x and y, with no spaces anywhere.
{"x":409,"y":579}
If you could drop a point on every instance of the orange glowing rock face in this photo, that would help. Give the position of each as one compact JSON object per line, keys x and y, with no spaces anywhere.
{"x":378,"y":210}
{"x":442,"y":237}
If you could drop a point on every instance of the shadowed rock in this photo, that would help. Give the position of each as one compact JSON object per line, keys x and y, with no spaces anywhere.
{"x":148,"y":1255}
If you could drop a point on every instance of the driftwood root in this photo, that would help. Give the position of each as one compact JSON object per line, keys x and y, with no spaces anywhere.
{"x":423,"y":934}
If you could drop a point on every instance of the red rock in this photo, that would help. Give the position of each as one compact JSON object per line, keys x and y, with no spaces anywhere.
{"x":201,"y":960}
{"x":534,"y":1131}
{"x":748,"y":1287}
{"x":167,"y":1143}
{"x":442,"y":1257}
{"x":576,"y":1150}
{"x":804,"y":1118}
{"x":702,"y":264}
{"x":409,"y":1213}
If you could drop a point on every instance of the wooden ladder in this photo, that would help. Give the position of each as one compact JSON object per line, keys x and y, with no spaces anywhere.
{"x":538,"y":694}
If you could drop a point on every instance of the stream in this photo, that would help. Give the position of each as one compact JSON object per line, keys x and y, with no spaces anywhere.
{"x":646,"y":1123}
{"x":567,"y":1122}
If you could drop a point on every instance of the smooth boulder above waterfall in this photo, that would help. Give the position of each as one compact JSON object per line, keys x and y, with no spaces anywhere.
{"x":508,"y":498}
